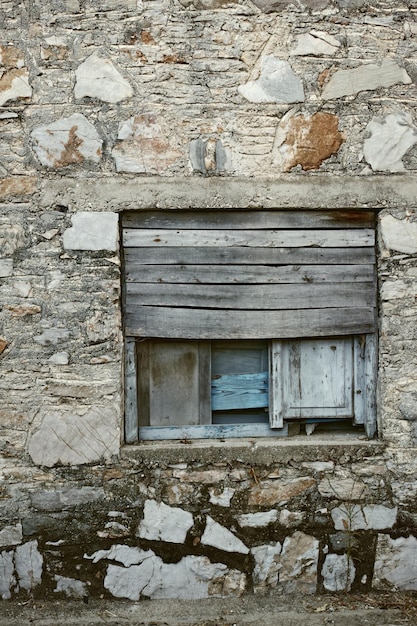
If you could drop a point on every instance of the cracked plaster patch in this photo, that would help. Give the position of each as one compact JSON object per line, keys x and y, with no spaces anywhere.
{"x":390,"y":140}
{"x":70,"y":439}
{"x":277,"y":82}
{"x":67,"y":141}
{"x":145,"y":147}
{"x":98,"y":78}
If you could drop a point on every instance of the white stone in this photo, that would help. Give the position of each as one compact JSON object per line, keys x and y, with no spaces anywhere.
{"x":11,"y":238}
{"x":11,"y":535}
{"x":92,"y":231}
{"x":338,"y":572}
{"x":14,"y":85}
{"x":394,"y":289}
{"x":59,"y":358}
{"x":291,"y":518}
{"x":122,"y":554}
{"x":299,"y":559}
{"x":254,"y":520}
{"x":222,"y":499}
{"x":6,"y":267}
{"x":342,"y":488}
{"x":267,"y":566}
{"x":355,"y":517}
{"x":192,"y":578}
{"x":164,"y":523}
{"x":69,"y":140}
{"x":396,"y":563}
{"x":98,"y":78}
{"x":399,"y":235}
{"x":145,"y":146}
{"x":220,"y":537}
{"x":70,"y":586}
{"x":276,"y":83}
{"x":28,"y":562}
{"x":71,"y":439}
{"x":389,"y":141}
{"x":365,"y":77}
{"x":52,"y":336}
{"x":7,"y":578}
{"x":316,"y":43}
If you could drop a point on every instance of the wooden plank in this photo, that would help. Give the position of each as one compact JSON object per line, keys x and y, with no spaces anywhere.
{"x":267,"y":256}
{"x":365,"y":360}
{"x":231,"y":218}
{"x":214,"y":431}
{"x":338,"y":238}
{"x":276,"y":399}
{"x":239,"y":391}
{"x":131,"y":392}
{"x":275,"y":297}
{"x":215,"y":274}
{"x":204,"y":377}
{"x":201,"y":324}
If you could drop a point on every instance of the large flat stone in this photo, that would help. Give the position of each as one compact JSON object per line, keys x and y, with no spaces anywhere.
{"x":69,"y":438}
{"x":98,"y":78}
{"x":396,"y":563}
{"x":164,"y":523}
{"x":218,"y":536}
{"x":315,"y":43}
{"x":389,"y":141}
{"x":338,"y":572}
{"x":399,"y":235}
{"x":68,"y":141}
{"x":28,"y":563}
{"x":277,"y":82}
{"x":358,"y":517}
{"x":92,"y":231}
{"x":365,"y":77}
{"x":299,"y":560}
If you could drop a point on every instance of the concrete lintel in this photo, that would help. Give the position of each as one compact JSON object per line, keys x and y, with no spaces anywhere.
{"x":310,"y":192}
{"x":255,"y":451}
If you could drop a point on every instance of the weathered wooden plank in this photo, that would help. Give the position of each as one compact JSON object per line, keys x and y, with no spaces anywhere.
{"x":291,"y":274}
{"x":275,"y":297}
{"x":239,"y":391}
{"x":229,"y":218}
{"x":190,"y":323}
{"x":276,"y":399}
{"x":337,"y":238}
{"x":267,"y":256}
{"x":214,"y":431}
{"x":365,"y":353}
{"x":131,"y":392}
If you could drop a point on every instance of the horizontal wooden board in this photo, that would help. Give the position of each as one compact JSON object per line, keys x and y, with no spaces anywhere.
{"x":229,"y":218}
{"x":187,"y":323}
{"x":135,"y":257}
{"x":248,"y":274}
{"x":276,"y":297}
{"x":213,"y":431}
{"x":239,"y":391}
{"x":254,"y":238}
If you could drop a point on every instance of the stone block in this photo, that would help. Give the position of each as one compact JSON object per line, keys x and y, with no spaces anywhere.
{"x":11,"y":535}
{"x":164,"y":523}
{"x":68,"y":141}
{"x":7,"y":579}
{"x":68,"y":438}
{"x":256,"y":520}
{"x":396,"y":563}
{"x":371,"y":517}
{"x":316,"y":43}
{"x":11,"y":239}
{"x":277,"y":83}
{"x":14,"y":86}
{"x":92,"y":231}
{"x":28,"y":564}
{"x":71,"y":587}
{"x":218,"y":536}
{"x":267,"y":566}
{"x":98,"y":78}
{"x":389,"y":141}
{"x":399,"y":235}
{"x":222,"y":498}
{"x":338,"y":572}
{"x":280,"y":491}
{"x":343,"y":488}
{"x":366,"y":77}
{"x":17,"y":187}
{"x":299,"y":560}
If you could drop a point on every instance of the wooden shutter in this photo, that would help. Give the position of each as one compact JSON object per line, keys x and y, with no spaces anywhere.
{"x":243,"y":274}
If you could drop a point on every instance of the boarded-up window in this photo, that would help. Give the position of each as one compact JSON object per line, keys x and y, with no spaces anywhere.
{"x":248,"y":317}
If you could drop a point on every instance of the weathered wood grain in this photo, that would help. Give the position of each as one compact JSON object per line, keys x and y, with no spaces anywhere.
{"x":213,"y":274}
{"x":235,"y":296}
{"x":246,"y":256}
{"x":188,"y":323}
{"x":229,"y":218}
{"x":214,"y":431}
{"x":253,"y":238}
{"x":239,"y":391}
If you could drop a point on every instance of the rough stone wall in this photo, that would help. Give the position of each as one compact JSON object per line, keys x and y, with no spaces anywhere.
{"x":106,"y":106}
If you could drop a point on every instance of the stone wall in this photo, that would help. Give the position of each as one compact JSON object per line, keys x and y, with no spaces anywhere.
{"x":107,"y":106}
